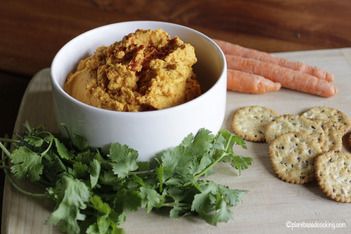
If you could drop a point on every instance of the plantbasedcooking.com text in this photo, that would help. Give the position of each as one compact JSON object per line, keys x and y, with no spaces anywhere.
{"x":315,"y":225}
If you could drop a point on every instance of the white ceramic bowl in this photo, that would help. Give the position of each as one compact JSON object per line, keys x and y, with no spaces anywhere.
{"x":151,"y":131}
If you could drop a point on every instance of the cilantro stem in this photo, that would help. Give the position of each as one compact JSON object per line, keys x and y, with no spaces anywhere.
{"x":201,"y":173}
{"x":142,"y":172}
{"x":9,"y":140}
{"x":3,"y":166}
{"x":47,"y":149}
{"x":4,"y":150}
{"x":19,"y":189}
{"x":172,"y":204}
{"x":168,"y":204}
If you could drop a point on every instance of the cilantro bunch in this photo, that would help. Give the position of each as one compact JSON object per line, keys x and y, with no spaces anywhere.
{"x":93,"y":189}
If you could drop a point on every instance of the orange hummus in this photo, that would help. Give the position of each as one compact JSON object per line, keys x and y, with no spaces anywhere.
{"x":147,"y":70}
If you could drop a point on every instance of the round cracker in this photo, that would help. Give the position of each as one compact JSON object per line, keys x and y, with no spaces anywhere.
{"x":292,"y":157}
{"x":293,"y":123}
{"x":333,"y":136}
{"x":333,"y":173}
{"x":249,"y":122}
{"x":324,"y":113}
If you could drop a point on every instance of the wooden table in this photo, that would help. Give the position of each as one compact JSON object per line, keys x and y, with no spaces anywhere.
{"x":33,"y":31}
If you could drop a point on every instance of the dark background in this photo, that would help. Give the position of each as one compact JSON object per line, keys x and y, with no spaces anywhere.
{"x":32,"y":31}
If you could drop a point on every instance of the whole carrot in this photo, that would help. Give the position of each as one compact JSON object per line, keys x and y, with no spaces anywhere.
{"x":249,"y":83}
{"x":288,"y":78}
{"x":233,"y":49}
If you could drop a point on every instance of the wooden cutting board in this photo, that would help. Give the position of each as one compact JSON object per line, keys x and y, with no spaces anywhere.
{"x":270,"y":206}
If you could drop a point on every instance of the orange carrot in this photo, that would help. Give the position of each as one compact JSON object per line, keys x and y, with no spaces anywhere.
{"x":288,"y":78}
{"x":249,"y":83}
{"x":233,"y":49}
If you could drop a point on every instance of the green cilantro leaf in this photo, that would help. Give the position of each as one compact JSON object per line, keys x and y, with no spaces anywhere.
{"x":95,"y":168}
{"x":72,"y":196}
{"x":231,"y":196}
{"x":34,"y":141}
{"x":150,"y":198}
{"x":76,"y":140}
{"x":223,"y":213}
{"x":124,"y":159}
{"x":107,"y":178}
{"x":79,"y":142}
{"x":214,"y":202}
{"x":202,"y":142}
{"x":232,"y":139}
{"x":26,"y":164}
{"x":62,"y":150}
{"x":169,"y":160}
{"x":105,"y":224}
{"x":127,"y":199}
{"x":53,"y":167}
{"x":99,"y":205}
{"x":80,"y":170}
{"x":202,"y":201}
{"x":143,"y":165}
{"x":179,"y":210}
{"x":100,"y":227}
{"x":240,"y":162}
{"x":160,"y":176}
{"x":87,"y":156}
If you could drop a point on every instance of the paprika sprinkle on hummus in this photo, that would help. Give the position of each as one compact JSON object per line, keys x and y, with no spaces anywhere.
{"x":147,"y":70}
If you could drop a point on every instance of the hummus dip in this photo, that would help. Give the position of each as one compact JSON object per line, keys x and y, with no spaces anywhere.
{"x":147,"y":70}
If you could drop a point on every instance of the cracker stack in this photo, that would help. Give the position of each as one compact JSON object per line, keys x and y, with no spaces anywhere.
{"x":302,"y":147}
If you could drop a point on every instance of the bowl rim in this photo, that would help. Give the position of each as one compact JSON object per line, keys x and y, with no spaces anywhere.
{"x":190,"y":103}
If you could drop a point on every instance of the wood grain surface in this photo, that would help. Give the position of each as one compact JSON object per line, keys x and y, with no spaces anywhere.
{"x":33,"y":31}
